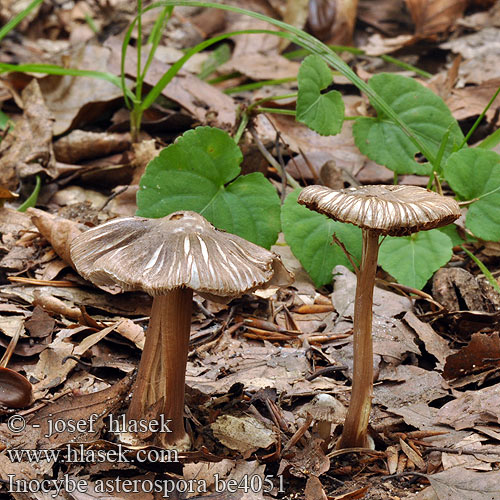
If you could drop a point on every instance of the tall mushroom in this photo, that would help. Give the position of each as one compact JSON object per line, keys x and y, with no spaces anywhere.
{"x":169,"y":258}
{"x":378,"y":210}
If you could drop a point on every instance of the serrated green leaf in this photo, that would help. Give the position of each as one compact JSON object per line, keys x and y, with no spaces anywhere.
{"x":423,"y":112}
{"x":412,"y":260}
{"x":323,"y":113}
{"x":309,"y":235}
{"x":475,"y":174}
{"x":195,"y":173}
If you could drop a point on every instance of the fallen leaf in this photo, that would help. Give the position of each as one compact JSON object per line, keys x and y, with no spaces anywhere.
{"x":75,"y":100}
{"x":471,"y":408}
{"x":58,"y":231}
{"x":462,"y":484}
{"x":434,"y":343}
{"x":205,"y":102}
{"x":81,"y":145}
{"x":27,"y":149}
{"x":244,"y":434}
{"x":432,"y":17}
{"x":481,"y":353}
{"x":314,"y":489}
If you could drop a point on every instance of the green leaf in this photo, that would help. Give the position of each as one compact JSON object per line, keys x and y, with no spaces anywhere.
{"x":323,"y":113}
{"x":412,"y":260}
{"x":193,"y":174}
{"x":426,"y":115}
{"x":309,"y":235}
{"x":475,"y":174}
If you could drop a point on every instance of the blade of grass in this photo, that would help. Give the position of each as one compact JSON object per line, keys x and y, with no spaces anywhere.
{"x":317,"y":47}
{"x":10,"y":25}
{"x":479,"y":119}
{"x":491,"y":141}
{"x":33,"y":197}
{"x":258,"y":85}
{"x":301,"y":53}
{"x":54,"y":69}
{"x":484,"y":269}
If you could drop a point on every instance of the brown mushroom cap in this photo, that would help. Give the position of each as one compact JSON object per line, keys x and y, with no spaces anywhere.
{"x":391,"y":210}
{"x":180,"y":250}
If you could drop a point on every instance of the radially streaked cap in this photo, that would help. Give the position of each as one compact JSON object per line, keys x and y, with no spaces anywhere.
{"x":180,"y":250}
{"x":391,"y":210}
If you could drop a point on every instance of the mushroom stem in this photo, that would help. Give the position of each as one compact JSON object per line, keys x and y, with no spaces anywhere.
{"x":161,"y":377}
{"x":358,"y":414}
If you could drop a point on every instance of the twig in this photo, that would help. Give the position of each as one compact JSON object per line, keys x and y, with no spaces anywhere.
{"x":326,"y":371}
{"x":265,"y":153}
{"x":347,"y":254}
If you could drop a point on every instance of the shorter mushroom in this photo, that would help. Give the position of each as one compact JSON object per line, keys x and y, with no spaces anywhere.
{"x":325,"y":411}
{"x":169,"y":258}
{"x":378,"y":210}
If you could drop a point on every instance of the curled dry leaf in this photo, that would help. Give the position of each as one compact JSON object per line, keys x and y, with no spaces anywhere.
{"x":432,"y":17}
{"x":27,"y":149}
{"x":81,"y":145}
{"x":482,"y":353}
{"x":333,"y":20}
{"x":57,"y":230}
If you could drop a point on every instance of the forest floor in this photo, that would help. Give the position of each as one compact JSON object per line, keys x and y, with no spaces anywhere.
{"x":257,"y":364}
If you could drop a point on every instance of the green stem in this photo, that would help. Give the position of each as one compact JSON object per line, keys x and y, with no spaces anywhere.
{"x":479,"y":119}
{"x":258,"y":85}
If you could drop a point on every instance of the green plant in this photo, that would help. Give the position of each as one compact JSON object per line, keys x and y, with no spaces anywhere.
{"x":200,"y":172}
{"x":410,"y":120}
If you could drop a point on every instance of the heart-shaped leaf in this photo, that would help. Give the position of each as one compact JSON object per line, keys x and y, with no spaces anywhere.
{"x":474,"y":174}
{"x":412,"y":260}
{"x":423,"y":112}
{"x":323,"y":113}
{"x":193,"y":174}
{"x":310,"y":236}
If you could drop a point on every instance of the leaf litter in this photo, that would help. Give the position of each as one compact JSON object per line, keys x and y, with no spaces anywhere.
{"x":256,"y":364}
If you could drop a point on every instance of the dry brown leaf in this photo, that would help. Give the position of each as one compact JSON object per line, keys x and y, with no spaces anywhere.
{"x":472,"y":407}
{"x":333,"y":20}
{"x":261,"y":66}
{"x":205,"y":102}
{"x":58,"y":231}
{"x":27,"y":149}
{"x":81,"y":145}
{"x":434,"y":344}
{"x":471,"y":101}
{"x":389,"y":17}
{"x":460,"y":483}
{"x":480,"y":52}
{"x":435,"y":16}
{"x":340,"y":148}
{"x":245,"y":434}
{"x":75,"y":100}
{"x":482,"y":353}
{"x":314,"y":489}
{"x":406,"y":385}
{"x":353,"y":495}
{"x":309,"y":461}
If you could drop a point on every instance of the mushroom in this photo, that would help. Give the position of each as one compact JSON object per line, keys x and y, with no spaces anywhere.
{"x":378,"y":210}
{"x":325,"y":411}
{"x":169,"y":258}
